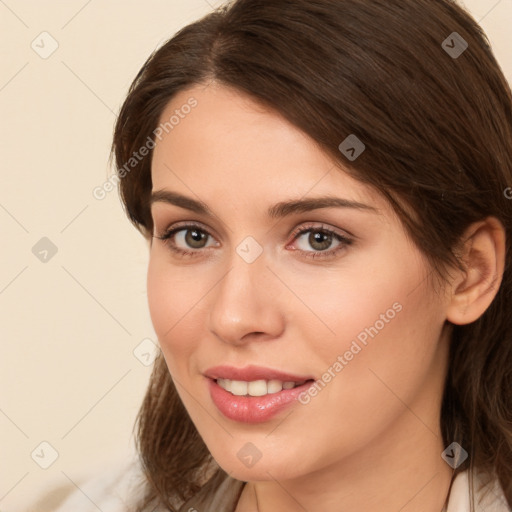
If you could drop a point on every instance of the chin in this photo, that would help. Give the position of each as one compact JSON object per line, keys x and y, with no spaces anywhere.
{"x":261,"y":470}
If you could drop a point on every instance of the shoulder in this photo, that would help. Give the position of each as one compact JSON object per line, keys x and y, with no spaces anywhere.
{"x":489,"y":496}
{"x":115,"y":488}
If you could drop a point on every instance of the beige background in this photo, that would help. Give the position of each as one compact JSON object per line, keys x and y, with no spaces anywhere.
{"x":70,"y":325}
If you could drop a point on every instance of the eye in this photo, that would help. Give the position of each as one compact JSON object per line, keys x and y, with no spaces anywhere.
{"x":321,"y":239}
{"x":184,"y":237}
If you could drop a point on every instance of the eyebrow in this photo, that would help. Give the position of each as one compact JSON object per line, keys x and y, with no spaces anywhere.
{"x":278,"y":210}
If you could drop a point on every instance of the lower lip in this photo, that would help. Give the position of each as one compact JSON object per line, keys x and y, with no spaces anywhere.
{"x":253,"y":409}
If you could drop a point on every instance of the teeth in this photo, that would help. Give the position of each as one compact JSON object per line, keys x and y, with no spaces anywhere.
{"x":256,"y":387}
{"x":239,"y":387}
{"x":274,"y":386}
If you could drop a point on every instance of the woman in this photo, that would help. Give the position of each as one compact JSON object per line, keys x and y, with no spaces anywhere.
{"x":324,"y":188}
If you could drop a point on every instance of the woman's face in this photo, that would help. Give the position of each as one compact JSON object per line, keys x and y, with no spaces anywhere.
{"x":336,"y":294}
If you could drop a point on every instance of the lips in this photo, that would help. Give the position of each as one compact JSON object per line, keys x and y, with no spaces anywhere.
{"x":253,"y":409}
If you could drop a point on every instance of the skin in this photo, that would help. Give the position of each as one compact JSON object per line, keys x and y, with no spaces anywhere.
{"x":371,"y":438}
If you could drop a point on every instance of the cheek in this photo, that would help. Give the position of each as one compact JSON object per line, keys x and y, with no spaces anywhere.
{"x":173,"y":304}
{"x":394,"y":364}
{"x":388,"y":337}
{"x":375,"y":294}
{"x":385,"y":319}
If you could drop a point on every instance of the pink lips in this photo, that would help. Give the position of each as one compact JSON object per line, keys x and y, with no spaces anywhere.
{"x":253,"y":409}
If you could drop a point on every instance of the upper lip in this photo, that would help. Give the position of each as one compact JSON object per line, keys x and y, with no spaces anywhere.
{"x":251,"y":373}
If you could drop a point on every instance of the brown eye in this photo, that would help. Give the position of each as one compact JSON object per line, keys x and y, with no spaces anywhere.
{"x":195,"y":238}
{"x":320,"y":239}
{"x":186,"y":240}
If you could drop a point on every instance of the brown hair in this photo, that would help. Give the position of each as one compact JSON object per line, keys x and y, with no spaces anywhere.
{"x":438,"y":134}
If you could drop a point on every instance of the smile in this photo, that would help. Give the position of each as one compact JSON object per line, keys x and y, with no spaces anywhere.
{"x":271,"y":398}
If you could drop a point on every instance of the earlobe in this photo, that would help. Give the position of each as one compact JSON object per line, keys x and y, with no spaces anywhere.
{"x":483,"y":256}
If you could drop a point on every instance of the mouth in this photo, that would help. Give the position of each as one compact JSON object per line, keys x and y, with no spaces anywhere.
{"x":254,"y":394}
{"x":255,"y":401}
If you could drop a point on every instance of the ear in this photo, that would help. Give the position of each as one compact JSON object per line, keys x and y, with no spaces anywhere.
{"x":483,"y":256}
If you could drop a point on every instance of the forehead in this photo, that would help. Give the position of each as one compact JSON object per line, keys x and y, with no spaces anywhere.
{"x":219,"y":140}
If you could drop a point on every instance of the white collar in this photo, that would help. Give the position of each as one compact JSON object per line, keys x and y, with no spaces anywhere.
{"x":489,"y":498}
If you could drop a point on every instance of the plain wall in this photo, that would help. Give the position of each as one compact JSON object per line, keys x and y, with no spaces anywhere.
{"x":70,"y":324}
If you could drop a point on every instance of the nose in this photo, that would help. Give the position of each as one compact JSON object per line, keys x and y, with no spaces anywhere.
{"x":246,"y":303}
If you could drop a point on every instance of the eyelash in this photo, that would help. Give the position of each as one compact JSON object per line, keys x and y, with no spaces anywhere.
{"x":344,"y":241}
